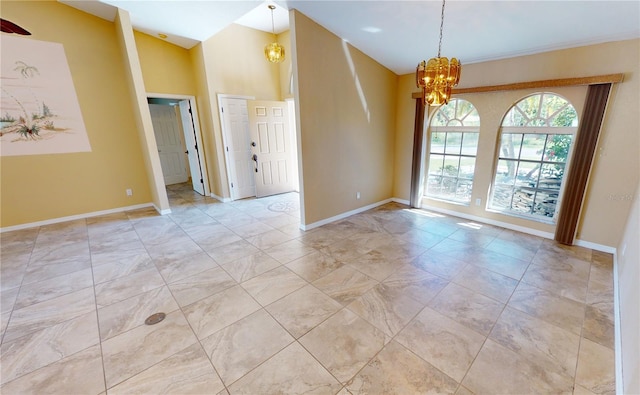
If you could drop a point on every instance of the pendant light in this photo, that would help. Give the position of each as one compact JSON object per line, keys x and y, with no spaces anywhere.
{"x":437,"y":76}
{"x":274,"y":52}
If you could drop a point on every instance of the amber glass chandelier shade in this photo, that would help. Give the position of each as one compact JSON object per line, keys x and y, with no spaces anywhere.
{"x":274,"y":52}
{"x":436,"y":78}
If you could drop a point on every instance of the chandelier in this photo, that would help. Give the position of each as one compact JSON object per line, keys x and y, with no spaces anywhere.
{"x":437,"y":76}
{"x":274,"y":52}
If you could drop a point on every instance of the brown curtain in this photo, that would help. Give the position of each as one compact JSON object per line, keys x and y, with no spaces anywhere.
{"x":418,"y":137}
{"x":583,"y":153}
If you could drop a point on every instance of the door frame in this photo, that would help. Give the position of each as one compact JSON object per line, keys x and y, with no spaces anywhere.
{"x":226,"y":137}
{"x":197,"y":131}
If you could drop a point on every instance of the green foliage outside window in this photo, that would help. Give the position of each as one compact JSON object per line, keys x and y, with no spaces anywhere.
{"x":453,"y":148}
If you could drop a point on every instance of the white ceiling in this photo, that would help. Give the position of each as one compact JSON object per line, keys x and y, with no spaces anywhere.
{"x":401,"y":33}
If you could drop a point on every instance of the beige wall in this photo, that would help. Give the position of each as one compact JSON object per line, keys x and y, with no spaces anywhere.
{"x":615,"y":172}
{"x":231,"y":62}
{"x":346,"y":122}
{"x":43,"y":187}
{"x":286,"y":67}
{"x":166,"y":68}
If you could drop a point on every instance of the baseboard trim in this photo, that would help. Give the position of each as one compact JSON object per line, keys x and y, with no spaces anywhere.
{"x":343,"y":215}
{"x":77,"y":216}
{"x":523,"y":229}
{"x":488,"y":221}
{"x":162,"y":212}
{"x":518,"y":228}
{"x":221,"y":199}
{"x":595,"y":246}
{"x":617,"y":331}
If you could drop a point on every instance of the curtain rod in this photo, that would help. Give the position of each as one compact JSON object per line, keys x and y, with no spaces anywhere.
{"x":597,"y":79}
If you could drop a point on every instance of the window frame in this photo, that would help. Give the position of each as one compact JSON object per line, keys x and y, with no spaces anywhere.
{"x":464,"y":130}
{"x":537,"y":130}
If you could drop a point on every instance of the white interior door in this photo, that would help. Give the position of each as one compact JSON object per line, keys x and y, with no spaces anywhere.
{"x":195,"y":167}
{"x":235,"y":121}
{"x":271,"y":147}
{"x":170,"y":146}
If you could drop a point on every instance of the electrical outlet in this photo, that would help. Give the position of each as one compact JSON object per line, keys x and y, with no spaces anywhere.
{"x":357,"y":195}
{"x":478,"y":201}
{"x":129,"y":192}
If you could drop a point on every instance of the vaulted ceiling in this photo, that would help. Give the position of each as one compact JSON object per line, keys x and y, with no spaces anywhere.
{"x":398,"y":34}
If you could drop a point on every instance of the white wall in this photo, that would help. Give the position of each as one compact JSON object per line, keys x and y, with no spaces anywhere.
{"x":628,"y":264}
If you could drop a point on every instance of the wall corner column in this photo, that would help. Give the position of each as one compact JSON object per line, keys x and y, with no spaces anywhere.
{"x":133,"y":70}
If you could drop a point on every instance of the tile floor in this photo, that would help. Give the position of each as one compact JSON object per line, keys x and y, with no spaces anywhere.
{"x":391,"y":301}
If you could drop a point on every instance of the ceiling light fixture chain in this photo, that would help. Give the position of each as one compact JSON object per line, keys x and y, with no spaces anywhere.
{"x":274,"y":52}
{"x":438,"y":76}
{"x":441,"y":28}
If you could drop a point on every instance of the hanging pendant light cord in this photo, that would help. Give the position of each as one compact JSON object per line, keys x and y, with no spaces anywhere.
{"x":273,"y":27}
{"x":441,"y":26}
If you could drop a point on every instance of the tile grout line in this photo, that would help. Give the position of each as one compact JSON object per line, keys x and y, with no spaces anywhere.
{"x":13,"y":307}
{"x":181,"y":309}
{"x":487,"y":337}
{"x":584,"y":317}
{"x":95,"y":301}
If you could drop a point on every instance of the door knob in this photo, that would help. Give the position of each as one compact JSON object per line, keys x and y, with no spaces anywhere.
{"x":253,"y":143}
{"x":255,"y":159}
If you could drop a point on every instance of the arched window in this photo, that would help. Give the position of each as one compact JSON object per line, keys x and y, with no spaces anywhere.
{"x":534,"y":149}
{"x":454,"y":131}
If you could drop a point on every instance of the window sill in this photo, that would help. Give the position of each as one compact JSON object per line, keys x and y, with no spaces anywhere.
{"x":549,"y":221}
{"x":463,"y":204}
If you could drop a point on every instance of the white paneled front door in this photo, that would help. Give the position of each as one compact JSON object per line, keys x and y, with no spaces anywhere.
{"x":271,"y":147}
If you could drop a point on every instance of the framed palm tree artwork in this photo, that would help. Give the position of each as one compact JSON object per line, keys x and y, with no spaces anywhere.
{"x":40,"y":113}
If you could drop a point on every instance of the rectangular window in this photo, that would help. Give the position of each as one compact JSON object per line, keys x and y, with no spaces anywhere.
{"x":529,"y":173}
{"x":452,"y":163}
